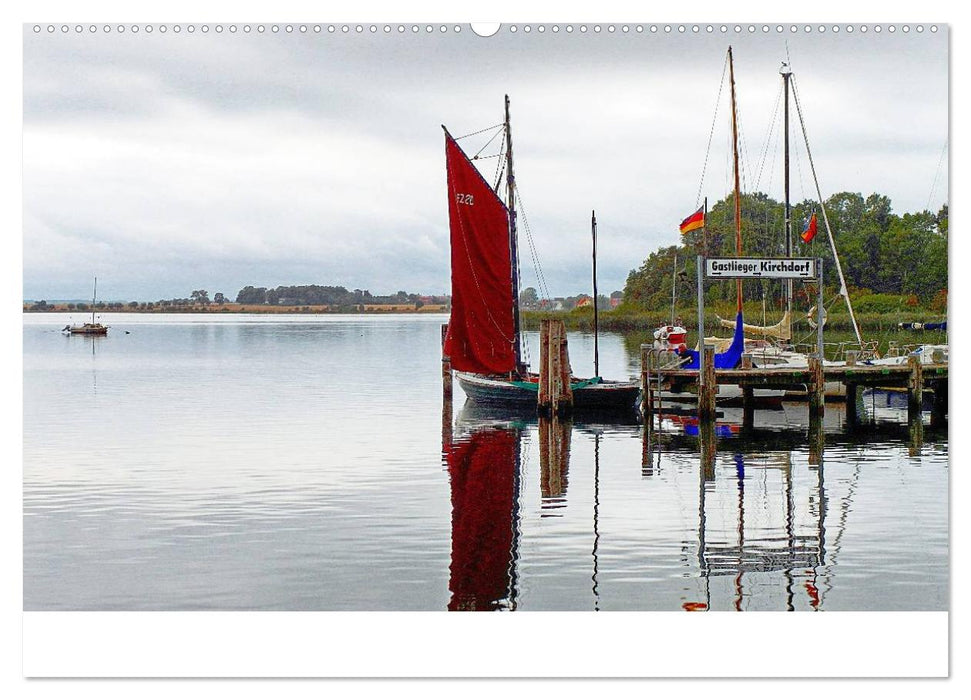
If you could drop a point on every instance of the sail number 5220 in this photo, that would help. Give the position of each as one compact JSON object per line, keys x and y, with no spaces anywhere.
{"x":464,"y":199}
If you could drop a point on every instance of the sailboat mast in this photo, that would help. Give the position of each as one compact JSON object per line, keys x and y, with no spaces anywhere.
{"x":94,"y":298}
{"x":738,"y":195}
{"x":674,"y":285}
{"x":596,"y":317}
{"x":513,"y":241}
{"x":786,"y":73}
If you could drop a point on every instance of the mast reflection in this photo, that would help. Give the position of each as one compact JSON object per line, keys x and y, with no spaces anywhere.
{"x":757,"y":516}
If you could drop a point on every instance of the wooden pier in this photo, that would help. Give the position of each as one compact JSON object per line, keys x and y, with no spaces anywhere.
{"x":913,"y":377}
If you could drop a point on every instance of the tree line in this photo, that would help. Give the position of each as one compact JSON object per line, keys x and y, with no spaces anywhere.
{"x":886,"y":257}
{"x":322,"y":295}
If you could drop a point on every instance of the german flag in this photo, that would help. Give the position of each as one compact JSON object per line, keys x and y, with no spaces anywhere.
{"x":810,"y":231}
{"x":695,"y":221}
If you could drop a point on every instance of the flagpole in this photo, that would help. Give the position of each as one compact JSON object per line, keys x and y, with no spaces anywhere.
{"x":674,"y":284}
{"x":704,"y":230}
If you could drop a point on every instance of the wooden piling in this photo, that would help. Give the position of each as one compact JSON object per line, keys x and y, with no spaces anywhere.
{"x":565,"y":404}
{"x":707,"y":388}
{"x":915,"y":399}
{"x":555,"y":394}
{"x":816,"y":438}
{"x":915,"y":386}
{"x":554,"y":455}
{"x":647,"y":392}
{"x":708,"y":448}
{"x":446,"y":391}
{"x":748,"y":397}
{"x":647,"y":448}
{"x":852,"y":397}
{"x":817,"y":385}
{"x":939,"y":410}
{"x":543,"y":395}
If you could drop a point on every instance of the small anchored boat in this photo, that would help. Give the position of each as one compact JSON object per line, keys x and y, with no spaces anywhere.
{"x":92,"y":328}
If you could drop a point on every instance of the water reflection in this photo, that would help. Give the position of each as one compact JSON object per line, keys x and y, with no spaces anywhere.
{"x":759,"y":533}
{"x":483,"y":467}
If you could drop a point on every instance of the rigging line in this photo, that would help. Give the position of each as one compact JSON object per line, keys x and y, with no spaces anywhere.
{"x":937,"y":175}
{"x":500,"y":165}
{"x":768,"y":139}
{"x":540,"y":276}
{"x":711,"y":133}
{"x":486,"y":145}
{"x":802,"y":185}
{"x":829,"y":231}
{"x":480,"y":131}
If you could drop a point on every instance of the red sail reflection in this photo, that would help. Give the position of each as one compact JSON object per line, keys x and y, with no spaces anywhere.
{"x":483,"y":472}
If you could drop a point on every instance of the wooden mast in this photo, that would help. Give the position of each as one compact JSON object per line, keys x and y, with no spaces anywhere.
{"x":738,"y":196}
{"x":513,"y":243}
{"x":786,"y":74}
{"x":596,"y":318}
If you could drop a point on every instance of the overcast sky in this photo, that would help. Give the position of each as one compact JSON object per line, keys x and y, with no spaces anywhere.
{"x":164,"y":163}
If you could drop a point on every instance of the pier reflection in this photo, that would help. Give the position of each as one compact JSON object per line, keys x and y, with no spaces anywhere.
{"x":757,"y":539}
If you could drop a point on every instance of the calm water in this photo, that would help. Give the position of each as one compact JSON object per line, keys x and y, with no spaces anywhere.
{"x":300,"y":463}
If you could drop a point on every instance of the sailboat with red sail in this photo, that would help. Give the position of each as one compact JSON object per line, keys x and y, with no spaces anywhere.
{"x":484,"y":340}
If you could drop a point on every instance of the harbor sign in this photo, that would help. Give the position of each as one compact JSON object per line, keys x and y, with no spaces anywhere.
{"x":765,"y":268}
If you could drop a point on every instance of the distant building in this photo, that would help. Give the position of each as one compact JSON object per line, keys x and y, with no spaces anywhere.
{"x":583,"y":302}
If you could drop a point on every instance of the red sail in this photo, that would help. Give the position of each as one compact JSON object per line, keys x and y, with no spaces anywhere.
{"x":481,"y":335}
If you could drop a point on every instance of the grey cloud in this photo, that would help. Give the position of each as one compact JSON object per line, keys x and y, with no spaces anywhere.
{"x":172,"y":160}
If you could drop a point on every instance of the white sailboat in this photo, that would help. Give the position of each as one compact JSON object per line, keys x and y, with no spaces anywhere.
{"x":92,"y":328}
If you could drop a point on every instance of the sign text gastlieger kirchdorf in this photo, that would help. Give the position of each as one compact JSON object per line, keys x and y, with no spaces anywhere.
{"x":770,"y":268}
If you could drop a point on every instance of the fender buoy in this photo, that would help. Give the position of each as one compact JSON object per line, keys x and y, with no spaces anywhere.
{"x":811,"y":317}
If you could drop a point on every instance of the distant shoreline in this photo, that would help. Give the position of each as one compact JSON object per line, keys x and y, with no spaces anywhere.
{"x":249,"y":309}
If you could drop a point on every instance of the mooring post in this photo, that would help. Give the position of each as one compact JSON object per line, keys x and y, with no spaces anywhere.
{"x":748,"y":397}
{"x":556,"y":371}
{"x":817,"y":383}
{"x":816,"y":438}
{"x":852,"y":396}
{"x":939,"y":410}
{"x":446,"y":390}
{"x":915,"y":386}
{"x":565,"y":403}
{"x":647,"y":448}
{"x":708,"y":448}
{"x":647,"y":394}
{"x":707,"y":388}
{"x":543,"y":402}
{"x":554,"y":394}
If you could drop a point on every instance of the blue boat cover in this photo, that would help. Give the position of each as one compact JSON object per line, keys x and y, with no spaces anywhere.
{"x":730,"y":359}
{"x":924,"y":326}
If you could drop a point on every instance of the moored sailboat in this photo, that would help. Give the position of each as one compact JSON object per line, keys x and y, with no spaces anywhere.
{"x":484,"y":340}
{"x":92,"y":328}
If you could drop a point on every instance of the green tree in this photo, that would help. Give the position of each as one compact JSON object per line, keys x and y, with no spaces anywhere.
{"x":528,"y":298}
